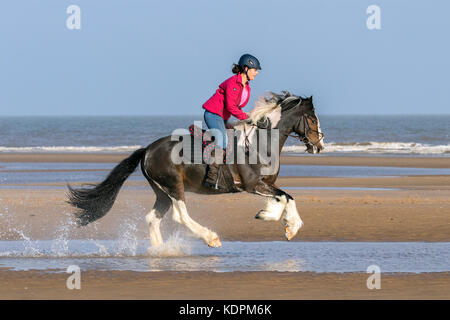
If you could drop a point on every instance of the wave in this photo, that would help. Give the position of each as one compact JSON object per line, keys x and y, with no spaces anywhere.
{"x":331,"y":147}
{"x":377,"y":148}
{"x":71,"y":149}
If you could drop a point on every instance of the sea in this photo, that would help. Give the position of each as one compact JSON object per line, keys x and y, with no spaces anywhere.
{"x":410,"y":135}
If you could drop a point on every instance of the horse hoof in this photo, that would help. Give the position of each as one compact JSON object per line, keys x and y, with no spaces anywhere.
{"x":215,"y":243}
{"x":288,"y":234}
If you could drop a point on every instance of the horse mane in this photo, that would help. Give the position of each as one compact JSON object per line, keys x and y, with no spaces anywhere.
{"x":267,"y":105}
{"x":270,"y":105}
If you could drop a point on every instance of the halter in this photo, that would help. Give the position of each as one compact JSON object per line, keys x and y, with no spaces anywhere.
{"x":306,"y":128}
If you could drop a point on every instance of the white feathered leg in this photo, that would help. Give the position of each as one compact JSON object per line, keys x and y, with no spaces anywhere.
{"x":181,"y":215}
{"x":291,"y":220}
{"x":274,"y":209}
{"x":155,"y":233}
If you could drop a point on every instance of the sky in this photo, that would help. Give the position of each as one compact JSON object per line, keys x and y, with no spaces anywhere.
{"x":168,"y":57}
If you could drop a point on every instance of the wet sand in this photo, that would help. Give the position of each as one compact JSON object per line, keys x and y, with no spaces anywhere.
{"x":329,"y":215}
{"x":322,"y":159}
{"x":418,"y":211}
{"x":209,"y":285}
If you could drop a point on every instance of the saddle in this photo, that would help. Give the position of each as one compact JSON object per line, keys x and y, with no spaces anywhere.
{"x":208,"y":143}
{"x":228,"y":177}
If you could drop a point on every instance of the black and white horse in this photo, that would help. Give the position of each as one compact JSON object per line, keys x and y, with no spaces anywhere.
{"x":285,"y":113}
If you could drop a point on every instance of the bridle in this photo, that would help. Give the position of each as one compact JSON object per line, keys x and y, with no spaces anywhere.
{"x":306,"y":129}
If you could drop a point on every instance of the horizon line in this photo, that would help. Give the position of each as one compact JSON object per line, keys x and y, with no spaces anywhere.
{"x":201,"y":115}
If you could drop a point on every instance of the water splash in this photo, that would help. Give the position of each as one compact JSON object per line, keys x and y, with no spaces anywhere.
{"x":30,"y":247}
{"x":174,"y":246}
{"x":60,"y":245}
{"x":128,"y":241}
{"x":102,"y":250}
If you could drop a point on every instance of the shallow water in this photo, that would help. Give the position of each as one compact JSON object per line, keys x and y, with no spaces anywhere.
{"x":11,"y":174}
{"x":356,"y":172}
{"x":192,"y":255}
{"x":339,"y":188}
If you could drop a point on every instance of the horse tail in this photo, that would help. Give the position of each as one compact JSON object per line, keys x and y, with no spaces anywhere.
{"x":94,"y":203}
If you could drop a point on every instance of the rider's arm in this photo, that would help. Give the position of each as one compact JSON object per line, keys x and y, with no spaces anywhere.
{"x":232,"y":99}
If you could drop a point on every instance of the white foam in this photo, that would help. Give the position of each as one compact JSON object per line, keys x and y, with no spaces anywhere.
{"x":373,"y":147}
{"x":70,"y":149}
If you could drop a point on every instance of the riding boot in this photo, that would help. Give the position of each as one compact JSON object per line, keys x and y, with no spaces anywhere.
{"x":214,"y":174}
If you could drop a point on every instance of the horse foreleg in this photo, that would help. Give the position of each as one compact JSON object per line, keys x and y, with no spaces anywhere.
{"x":276,"y":202}
{"x":273,"y":210}
{"x":181,"y":215}
{"x":291,"y":220}
{"x":279,"y":204}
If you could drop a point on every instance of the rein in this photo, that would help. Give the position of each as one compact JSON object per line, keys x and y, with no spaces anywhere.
{"x":306,"y":129}
{"x":247,"y":142}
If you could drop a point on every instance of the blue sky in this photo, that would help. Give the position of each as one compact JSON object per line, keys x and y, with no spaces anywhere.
{"x":168,"y":57}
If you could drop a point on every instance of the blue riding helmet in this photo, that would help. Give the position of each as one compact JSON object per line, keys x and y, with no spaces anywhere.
{"x":249,"y":61}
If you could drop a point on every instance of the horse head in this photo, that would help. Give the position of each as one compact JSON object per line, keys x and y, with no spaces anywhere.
{"x":298,"y":115}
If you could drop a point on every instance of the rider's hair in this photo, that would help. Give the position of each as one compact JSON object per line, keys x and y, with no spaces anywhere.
{"x":237,"y":69}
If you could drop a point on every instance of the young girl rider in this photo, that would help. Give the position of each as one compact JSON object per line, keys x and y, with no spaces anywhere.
{"x":231,"y":96}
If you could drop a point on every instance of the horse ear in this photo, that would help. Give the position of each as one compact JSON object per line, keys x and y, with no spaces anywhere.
{"x":310,"y":98}
{"x":286,"y":93}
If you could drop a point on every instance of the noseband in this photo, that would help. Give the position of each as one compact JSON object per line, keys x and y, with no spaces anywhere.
{"x":305,"y":127}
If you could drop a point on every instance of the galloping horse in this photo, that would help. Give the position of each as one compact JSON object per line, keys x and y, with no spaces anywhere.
{"x":284,"y":112}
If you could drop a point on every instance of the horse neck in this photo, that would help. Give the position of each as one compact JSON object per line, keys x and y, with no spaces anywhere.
{"x":283,"y":127}
{"x":281,"y":142}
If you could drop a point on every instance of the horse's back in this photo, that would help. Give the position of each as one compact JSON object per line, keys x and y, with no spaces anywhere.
{"x":158,"y":164}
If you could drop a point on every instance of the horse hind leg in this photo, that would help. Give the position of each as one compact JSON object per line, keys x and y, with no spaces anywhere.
{"x":154,"y":217}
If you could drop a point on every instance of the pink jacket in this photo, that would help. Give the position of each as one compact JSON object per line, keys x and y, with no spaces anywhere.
{"x":225,"y":102}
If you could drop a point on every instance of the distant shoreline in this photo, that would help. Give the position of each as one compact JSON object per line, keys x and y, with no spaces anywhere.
{"x":200,"y":115}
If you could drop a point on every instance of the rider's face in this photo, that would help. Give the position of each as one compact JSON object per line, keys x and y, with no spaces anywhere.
{"x":252,"y":73}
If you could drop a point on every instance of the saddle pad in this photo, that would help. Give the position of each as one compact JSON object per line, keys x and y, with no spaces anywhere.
{"x":208,"y":145}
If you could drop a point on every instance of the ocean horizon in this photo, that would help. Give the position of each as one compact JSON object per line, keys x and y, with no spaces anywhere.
{"x":423,"y":135}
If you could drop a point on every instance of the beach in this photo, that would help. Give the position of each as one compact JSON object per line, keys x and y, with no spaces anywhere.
{"x":377,"y":209}
{"x":227,"y":286}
